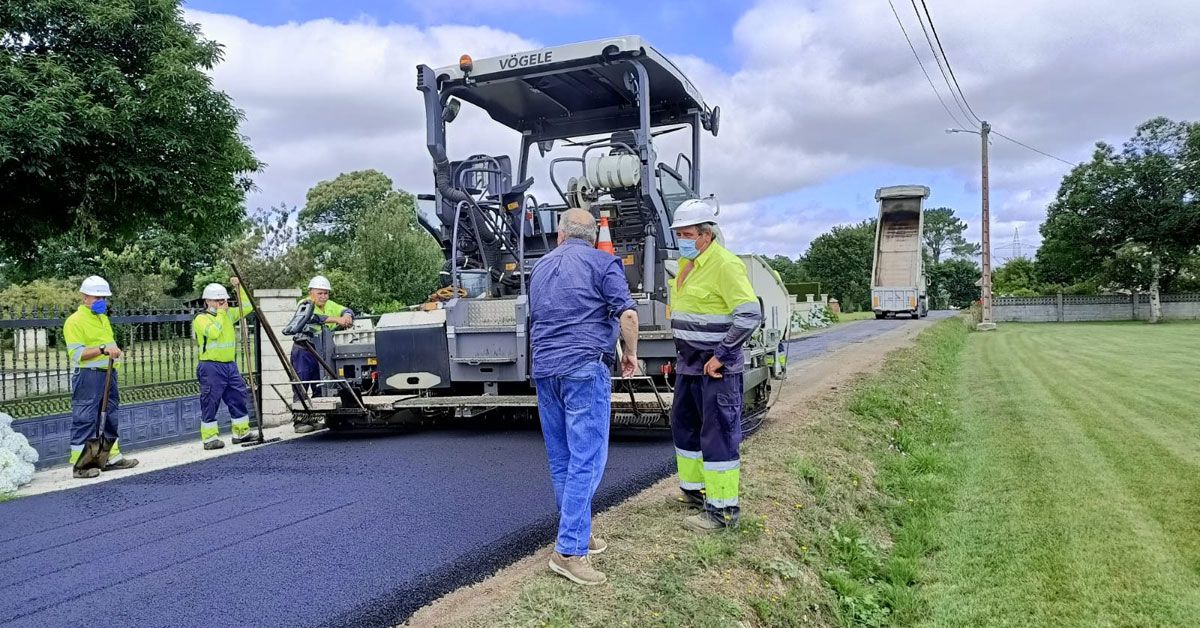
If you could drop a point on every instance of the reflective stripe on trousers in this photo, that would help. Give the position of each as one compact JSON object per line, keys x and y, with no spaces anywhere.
{"x":706,"y":418}
{"x":221,"y":382}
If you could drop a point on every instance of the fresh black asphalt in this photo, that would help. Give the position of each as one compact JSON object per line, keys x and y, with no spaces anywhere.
{"x":322,"y":531}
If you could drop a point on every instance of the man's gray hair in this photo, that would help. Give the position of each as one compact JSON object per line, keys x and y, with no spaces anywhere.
{"x":578,"y":223}
{"x":707,"y":228}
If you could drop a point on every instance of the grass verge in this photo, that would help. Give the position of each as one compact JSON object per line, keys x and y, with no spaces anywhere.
{"x":841,"y":505}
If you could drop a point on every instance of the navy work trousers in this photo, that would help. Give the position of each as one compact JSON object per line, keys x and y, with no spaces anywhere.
{"x":220,"y":381}
{"x":87,"y":390}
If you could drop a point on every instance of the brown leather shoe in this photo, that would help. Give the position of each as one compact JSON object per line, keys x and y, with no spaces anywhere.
{"x":123,"y":463}
{"x":704,"y":523}
{"x":577,"y":569}
{"x":596,"y":545}
{"x":84,"y":474}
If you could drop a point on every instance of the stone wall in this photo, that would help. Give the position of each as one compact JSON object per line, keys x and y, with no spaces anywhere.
{"x":1109,"y":307}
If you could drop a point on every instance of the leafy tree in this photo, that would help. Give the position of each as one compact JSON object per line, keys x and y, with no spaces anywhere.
{"x":392,"y":262}
{"x":173,"y":256}
{"x":267,"y":252}
{"x":39,"y":293}
{"x":335,"y":207}
{"x":364,"y":234}
{"x":943,"y":235}
{"x":952,"y":282}
{"x":790,"y":270}
{"x":841,"y":261}
{"x":1131,"y":218}
{"x":1016,"y":277}
{"x":139,"y":276}
{"x":110,"y":126}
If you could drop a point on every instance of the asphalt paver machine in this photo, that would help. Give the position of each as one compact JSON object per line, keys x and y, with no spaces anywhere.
{"x":593,"y":112}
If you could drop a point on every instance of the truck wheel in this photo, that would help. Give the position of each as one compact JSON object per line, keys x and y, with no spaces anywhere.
{"x":878,"y":315}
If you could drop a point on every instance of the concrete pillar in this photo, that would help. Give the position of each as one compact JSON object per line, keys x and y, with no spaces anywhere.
{"x":29,"y":340}
{"x":1059,"y":307}
{"x":277,"y":306}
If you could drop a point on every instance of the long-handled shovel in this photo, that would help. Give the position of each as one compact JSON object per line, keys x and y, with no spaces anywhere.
{"x":266,"y":329}
{"x":250,"y":365}
{"x":96,"y":450}
{"x":253,"y":386}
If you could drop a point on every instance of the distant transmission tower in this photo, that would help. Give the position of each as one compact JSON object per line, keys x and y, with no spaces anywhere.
{"x":1012,"y":249}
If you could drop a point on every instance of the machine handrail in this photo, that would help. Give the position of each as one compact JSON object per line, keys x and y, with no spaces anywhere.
{"x":554,"y":181}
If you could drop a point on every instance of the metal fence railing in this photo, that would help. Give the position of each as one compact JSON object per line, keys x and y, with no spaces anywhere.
{"x":159,"y":361}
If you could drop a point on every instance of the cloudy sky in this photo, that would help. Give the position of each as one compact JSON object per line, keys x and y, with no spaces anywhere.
{"x":822,"y":100}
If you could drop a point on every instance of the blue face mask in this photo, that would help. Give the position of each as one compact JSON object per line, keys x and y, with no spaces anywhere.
{"x":100,"y":306}
{"x":687,"y":249}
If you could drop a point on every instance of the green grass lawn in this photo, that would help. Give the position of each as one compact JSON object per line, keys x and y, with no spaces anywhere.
{"x":1077,"y":480}
{"x":846,"y":317}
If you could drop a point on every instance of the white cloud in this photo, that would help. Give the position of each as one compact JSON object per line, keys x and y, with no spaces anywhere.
{"x":467,"y":9}
{"x":823,"y":89}
{"x":324,"y":97}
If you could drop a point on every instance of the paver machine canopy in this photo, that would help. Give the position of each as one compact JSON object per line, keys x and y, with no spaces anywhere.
{"x":620,"y":88}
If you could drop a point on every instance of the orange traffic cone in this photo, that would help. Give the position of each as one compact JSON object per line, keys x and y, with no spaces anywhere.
{"x":604,"y":242}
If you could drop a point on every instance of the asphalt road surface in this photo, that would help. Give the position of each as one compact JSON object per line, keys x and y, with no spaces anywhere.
{"x":322,"y":531}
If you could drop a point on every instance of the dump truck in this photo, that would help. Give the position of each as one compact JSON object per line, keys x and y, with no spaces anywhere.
{"x":898,"y":282}
{"x":593,"y":112}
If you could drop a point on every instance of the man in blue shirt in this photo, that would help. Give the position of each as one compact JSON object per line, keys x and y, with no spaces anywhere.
{"x":579,"y":301}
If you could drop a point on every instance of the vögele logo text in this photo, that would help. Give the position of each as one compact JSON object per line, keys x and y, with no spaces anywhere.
{"x":526,"y":60}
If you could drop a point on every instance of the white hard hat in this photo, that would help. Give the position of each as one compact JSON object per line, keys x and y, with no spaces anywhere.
{"x":320,"y":283}
{"x":695,"y":211}
{"x":215,"y":291}
{"x":95,"y":286}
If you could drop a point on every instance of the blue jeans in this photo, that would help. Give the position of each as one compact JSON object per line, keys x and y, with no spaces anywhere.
{"x":575,"y":410}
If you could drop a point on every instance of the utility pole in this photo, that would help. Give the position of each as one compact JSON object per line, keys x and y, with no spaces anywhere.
{"x":985,"y":282}
{"x":985,"y":279}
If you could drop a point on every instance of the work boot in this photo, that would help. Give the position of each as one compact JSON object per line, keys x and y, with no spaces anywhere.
{"x":304,"y":428}
{"x":596,"y":545}
{"x":248,"y":438}
{"x":577,"y":569}
{"x":688,"y":499}
{"x":706,"y":522}
{"x":123,"y":463}
{"x":213,"y":444}
{"x":86,"y":474}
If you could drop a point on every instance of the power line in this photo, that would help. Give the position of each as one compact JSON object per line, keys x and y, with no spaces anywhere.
{"x":960,"y":93}
{"x":1040,"y":152}
{"x":922,"y":64}
{"x":947,"y":59}
{"x":938,"y":60}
